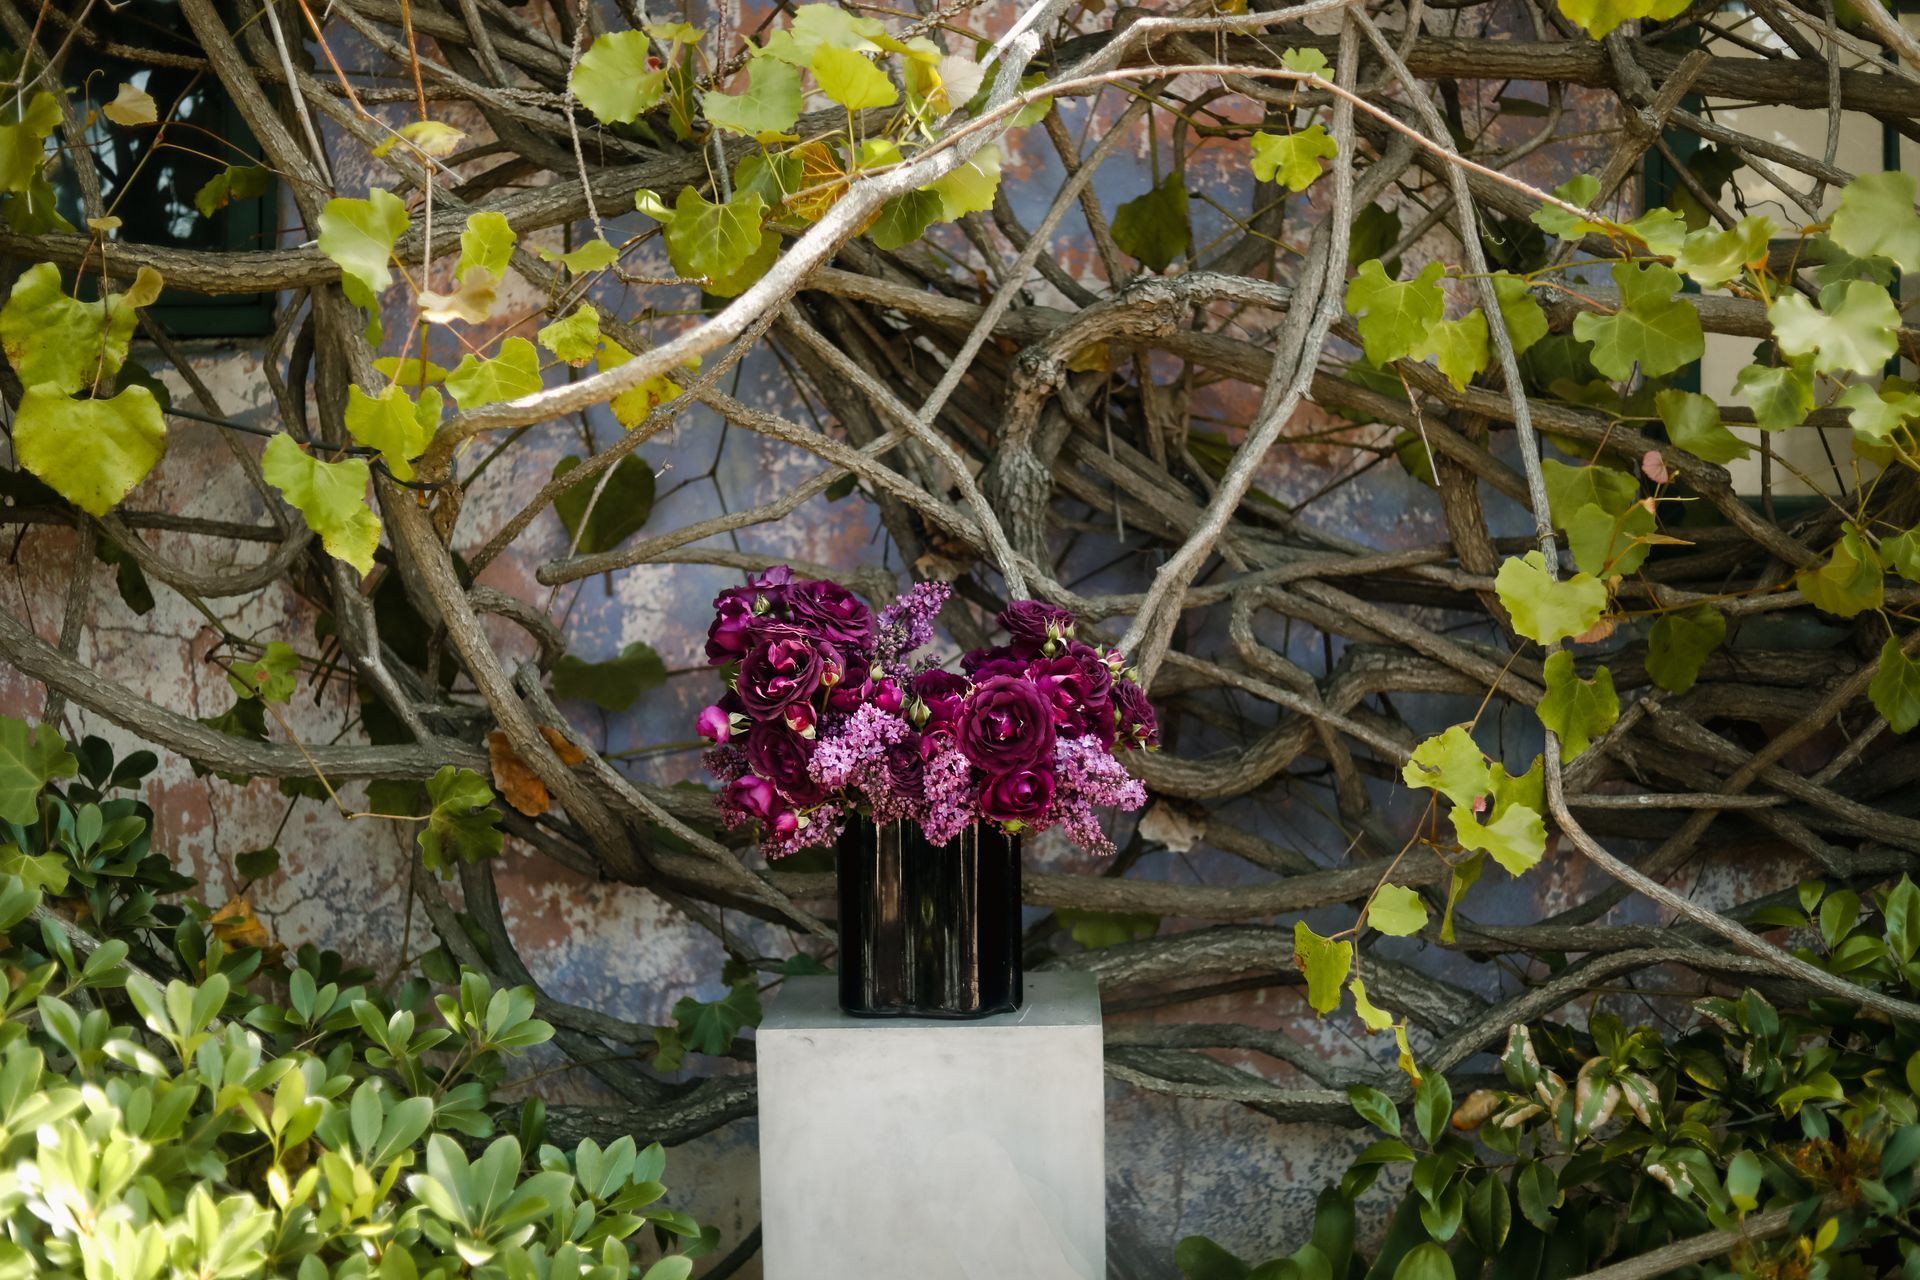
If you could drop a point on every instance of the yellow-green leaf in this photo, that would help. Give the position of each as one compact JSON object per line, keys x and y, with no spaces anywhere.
{"x":713,"y":240}
{"x":769,"y":104}
{"x":1679,"y":643}
{"x":576,"y":338}
{"x":614,"y":81}
{"x":1896,"y":687}
{"x":1545,"y":609}
{"x":359,"y":236}
{"x":513,"y":372}
{"x":1693,"y":423}
{"x":1326,"y":964}
{"x":91,"y":452}
{"x":1850,"y":582}
{"x":1292,"y":159}
{"x":394,"y":424}
{"x":1577,"y":710}
{"x":851,"y":79}
{"x":131,"y":106}
{"x":1395,"y":315}
{"x":1452,"y":764}
{"x":51,"y":338}
{"x":330,"y":495}
{"x":970,"y":187}
{"x":1397,"y":910}
{"x":1459,"y":347}
{"x":1876,"y":219}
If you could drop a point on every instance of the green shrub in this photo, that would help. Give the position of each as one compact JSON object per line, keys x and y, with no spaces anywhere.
{"x":1795,"y":1126}
{"x":154,"y":1125}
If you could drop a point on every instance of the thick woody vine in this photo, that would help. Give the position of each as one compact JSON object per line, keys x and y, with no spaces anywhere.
{"x":832,"y":184}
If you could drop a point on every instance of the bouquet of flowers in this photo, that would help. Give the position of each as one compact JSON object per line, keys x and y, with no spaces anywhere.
{"x":827,"y":715}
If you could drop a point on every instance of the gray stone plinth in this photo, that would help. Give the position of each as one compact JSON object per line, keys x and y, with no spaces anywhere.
{"x":933,"y":1150}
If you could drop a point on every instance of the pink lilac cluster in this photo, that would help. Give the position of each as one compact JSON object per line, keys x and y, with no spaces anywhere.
{"x":827,"y":716}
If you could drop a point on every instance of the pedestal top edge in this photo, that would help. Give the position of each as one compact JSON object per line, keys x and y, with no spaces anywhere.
{"x":1052,"y":1000}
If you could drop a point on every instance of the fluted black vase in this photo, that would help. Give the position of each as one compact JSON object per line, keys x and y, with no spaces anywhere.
{"x":926,"y":930}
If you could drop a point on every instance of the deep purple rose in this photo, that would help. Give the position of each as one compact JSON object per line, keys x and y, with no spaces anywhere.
{"x":943,"y":693}
{"x":1032,"y":625}
{"x":907,"y":768}
{"x":1021,"y":796}
{"x":1079,"y":685}
{"x":832,"y":610}
{"x":773,"y":578}
{"x":784,"y":665}
{"x":983,"y":664}
{"x":1008,"y":725}
{"x":1136,"y":724}
{"x":733,"y":619}
{"x":781,"y":758}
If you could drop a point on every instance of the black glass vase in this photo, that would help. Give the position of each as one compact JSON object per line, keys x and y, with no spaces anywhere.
{"x":926,"y":930}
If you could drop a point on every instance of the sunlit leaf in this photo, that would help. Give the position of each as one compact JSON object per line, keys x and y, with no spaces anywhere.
{"x":616,"y":80}
{"x":1653,"y":328}
{"x":395,"y":424}
{"x":770,"y":103}
{"x":514,"y":371}
{"x":92,"y":452}
{"x":1876,"y":219}
{"x":1395,"y":316}
{"x":1292,"y":159}
{"x":1545,"y":609}
{"x":1325,"y":963}
{"x":331,"y":495}
{"x":1397,"y":910}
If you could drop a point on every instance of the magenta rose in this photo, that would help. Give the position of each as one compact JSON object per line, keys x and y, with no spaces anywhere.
{"x":784,"y":665}
{"x":753,"y":796}
{"x":1008,"y":725}
{"x":1021,"y":796}
{"x":781,"y":758}
{"x":1133,"y":714}
{"x":943,"y":693}
{"x":732,"y":629}
{"x":1032,"y":625}
{"x":714,"y":724}
{"x":1079,"y":686}
{"x":832,"y":610}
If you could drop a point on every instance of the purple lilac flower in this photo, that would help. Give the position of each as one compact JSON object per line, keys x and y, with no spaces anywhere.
{"x":1090,"y":779}
{"x":857,"y":747}
{"x":907,"y":623}
{"x":952,"y":806}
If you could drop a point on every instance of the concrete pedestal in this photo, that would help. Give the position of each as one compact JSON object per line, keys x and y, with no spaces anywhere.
{"x":933,"y":1150}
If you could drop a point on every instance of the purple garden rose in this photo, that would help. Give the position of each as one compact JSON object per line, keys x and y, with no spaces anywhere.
{"x":1023,"y":796}
{"x":1008,"y":725}
{"x":1079,"y":685}
{"x":784,"y":665}
{"x":832,"y":611}
{"x":907,"y":768}
{"x":781,"y":758}
{"x":1031,"y":625}
{"x":732,"y":629}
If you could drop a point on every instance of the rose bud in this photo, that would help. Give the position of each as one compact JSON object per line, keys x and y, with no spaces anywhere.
{"x":801,"y":719}
{"x":715,"y":725}
{"x":785,"y":823}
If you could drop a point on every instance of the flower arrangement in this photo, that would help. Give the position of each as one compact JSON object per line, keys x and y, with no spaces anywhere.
{"x":827,"y":715}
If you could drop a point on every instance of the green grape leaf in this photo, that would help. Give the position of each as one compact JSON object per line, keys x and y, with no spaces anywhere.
{"x":235,"y":182}
{"x":815,"y":25}
{"x":1452,"y":764}
{"x":30,"y":758}
{"x":1876,"y":219}
{"x":614,"y":81}
{"x":332,"y":496}
{"x":410,"y":371}
{"x":487,"y":242}
{"x":1372,"y":1015}
{"x":1571,"y":488}
{"x":1326,"y":964}
{"x":1712,"y":257}
{"x":428,"y":137}
{"x":359,"y":236}
{"x":594,"y":255}
{"x":1395,"y":316}
{"x":1311,"y":61}
{"x":1661,"y":229}
{"x":1693,"y":423}
{"x":462,"y":826}
{"x":769,"y":104}
{"x":1652,"y":328}
{"x":1563,"y":225}
{"x":613,"y":685}
{"x":713,"y":240}
{"x":625,"y":502}
{"x":738,"y":281}
{"x":270,"y":677}
{"x":1850,"y":582}
{"x":52,"y":338}
{"x":513,"y":372}
{"x":1606,"y":544}
{"x":1902,"y":551}
{"x":1520,"y":311}
{"x":1516,"y":837}
{"x":1577,"y":710}
{"x":1856,"y":331}
{"x":1397,"y":910}
{"x":1895,"y":690}
{"x":851,"y":79}
{"x":575,"y":338}
{"x":904,"y":219}
{"x":23,"y":138}
{"x":1679,"y":644}
{"x":1154,"y":227}
{"x":1459,"y":347}
{"x":1466,"y":874}
{"x":1545,"y":609}
{"x":1780,"y":396}
{"x":1876,"y":412}
{"x":92,"y":452}
{"x":394,"y":424}
{"x":630,"y":408}
{"x":970,"y":187}
{"x":1293,"y":159}
{"x":1598,"y":17}
{"x":711,"y":1026}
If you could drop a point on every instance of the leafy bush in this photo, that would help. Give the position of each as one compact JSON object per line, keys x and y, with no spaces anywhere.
{"x":182,"y":1126}
{"x":1795,"y":1127}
